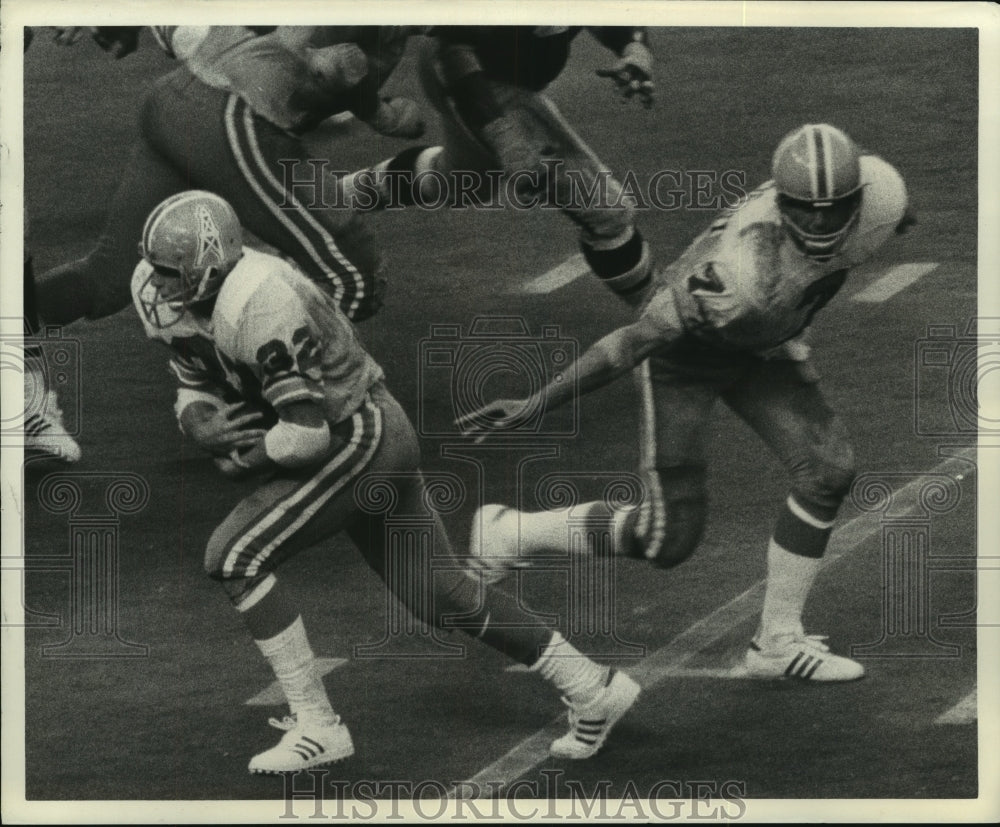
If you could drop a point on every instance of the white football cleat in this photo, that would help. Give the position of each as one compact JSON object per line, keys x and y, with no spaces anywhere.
{"x":590,"y":725}
{"x":44,"y":431}
{"x":802,"y":657}
{"x":303,"y":746}
{"x":492,"y":551}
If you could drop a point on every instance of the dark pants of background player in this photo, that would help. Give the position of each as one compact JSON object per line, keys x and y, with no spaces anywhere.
{"x":779,"y":399}
{"x":197,"y":137}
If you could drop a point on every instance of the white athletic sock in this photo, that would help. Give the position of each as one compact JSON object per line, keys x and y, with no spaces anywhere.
{"x":549,"y":531}
{"x":572,"y":673}
{"x":789,"y":581}
{"x":294,"y":666}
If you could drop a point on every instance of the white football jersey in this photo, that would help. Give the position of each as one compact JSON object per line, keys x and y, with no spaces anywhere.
{"x":743,"y":283}
{"x":273,"y":337}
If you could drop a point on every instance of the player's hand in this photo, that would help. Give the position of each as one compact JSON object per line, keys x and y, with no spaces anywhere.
{"x":68,"y":35}
{"x":223,"y":430}
{"x":499,"y":415}
{"x":235,"y":468}
{"x":398,"y":118}
{"x":633,"y":73}
{"x":342,"y":65}
{"x":119,"y":41}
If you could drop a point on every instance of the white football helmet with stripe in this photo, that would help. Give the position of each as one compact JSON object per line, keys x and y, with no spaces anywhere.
{"x":192,"y":240}
{"x":817,"y":172}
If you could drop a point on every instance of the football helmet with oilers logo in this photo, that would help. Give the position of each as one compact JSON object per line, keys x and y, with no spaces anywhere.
{"x":817,"y":173}
{"x":192,"y":241}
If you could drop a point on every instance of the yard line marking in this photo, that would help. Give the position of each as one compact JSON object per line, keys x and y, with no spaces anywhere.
{"x":273,"y":694}
{"x":895,"y":279}
{"x":735,"y":672}
{"x":559,"y":276}
{"x":671,"y":660}
{"x":964,"y":712}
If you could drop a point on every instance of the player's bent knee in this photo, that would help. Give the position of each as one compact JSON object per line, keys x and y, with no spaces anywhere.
{"x":667,"y":529}
{"x":685,"y":525}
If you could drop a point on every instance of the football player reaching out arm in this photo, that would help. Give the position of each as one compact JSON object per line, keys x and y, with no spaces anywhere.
{"x":741,"y":295}
{"x":606,"y":360}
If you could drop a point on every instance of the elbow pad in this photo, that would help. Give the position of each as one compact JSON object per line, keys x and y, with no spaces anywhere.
{"x":294,"y":445}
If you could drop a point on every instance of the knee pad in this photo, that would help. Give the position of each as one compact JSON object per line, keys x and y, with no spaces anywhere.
{"x":606,"y":229}
{"x":668,"y":526}
{"x":821,"y":486}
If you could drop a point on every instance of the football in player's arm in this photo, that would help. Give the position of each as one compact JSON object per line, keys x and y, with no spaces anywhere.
{"x":246,"y":328}
{"x":727,"y":320}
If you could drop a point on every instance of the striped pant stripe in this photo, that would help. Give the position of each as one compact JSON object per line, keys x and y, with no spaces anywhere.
{"x":652,"y":515}
{"x":314,"y":239}
{"x":250,"y":551}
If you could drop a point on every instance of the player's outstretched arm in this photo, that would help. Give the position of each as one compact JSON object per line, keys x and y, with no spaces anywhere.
{"x":603,"y":362}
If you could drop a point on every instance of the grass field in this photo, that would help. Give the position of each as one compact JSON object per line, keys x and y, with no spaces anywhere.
{"x":175,"y":724}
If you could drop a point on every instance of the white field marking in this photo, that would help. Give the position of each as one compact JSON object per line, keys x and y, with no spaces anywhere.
{"x":559,"y":276}
{"x":273,"y":694}
{"x":737,"y":672}
{"x":672,"y":660}
{"x":964,"y":712}
{"x":893,"y":281}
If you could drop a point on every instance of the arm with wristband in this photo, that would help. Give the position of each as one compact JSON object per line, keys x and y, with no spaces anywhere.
{"x":299,"y":439}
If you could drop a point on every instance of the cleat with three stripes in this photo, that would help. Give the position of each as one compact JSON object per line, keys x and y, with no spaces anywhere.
{"x":800,"y":657}
{"x":590,"y":725}
{"x":44,"y":431}
{"x":303,"y":746}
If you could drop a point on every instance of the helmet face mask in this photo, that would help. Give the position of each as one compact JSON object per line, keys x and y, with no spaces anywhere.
{"x":192,"y":241}
{"x":820,"y":228}
{"x":817,"y":173}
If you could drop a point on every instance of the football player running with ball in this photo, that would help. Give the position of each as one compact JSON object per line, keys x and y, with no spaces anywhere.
{"x":249,"y":331}
{"x":726,"y":320}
